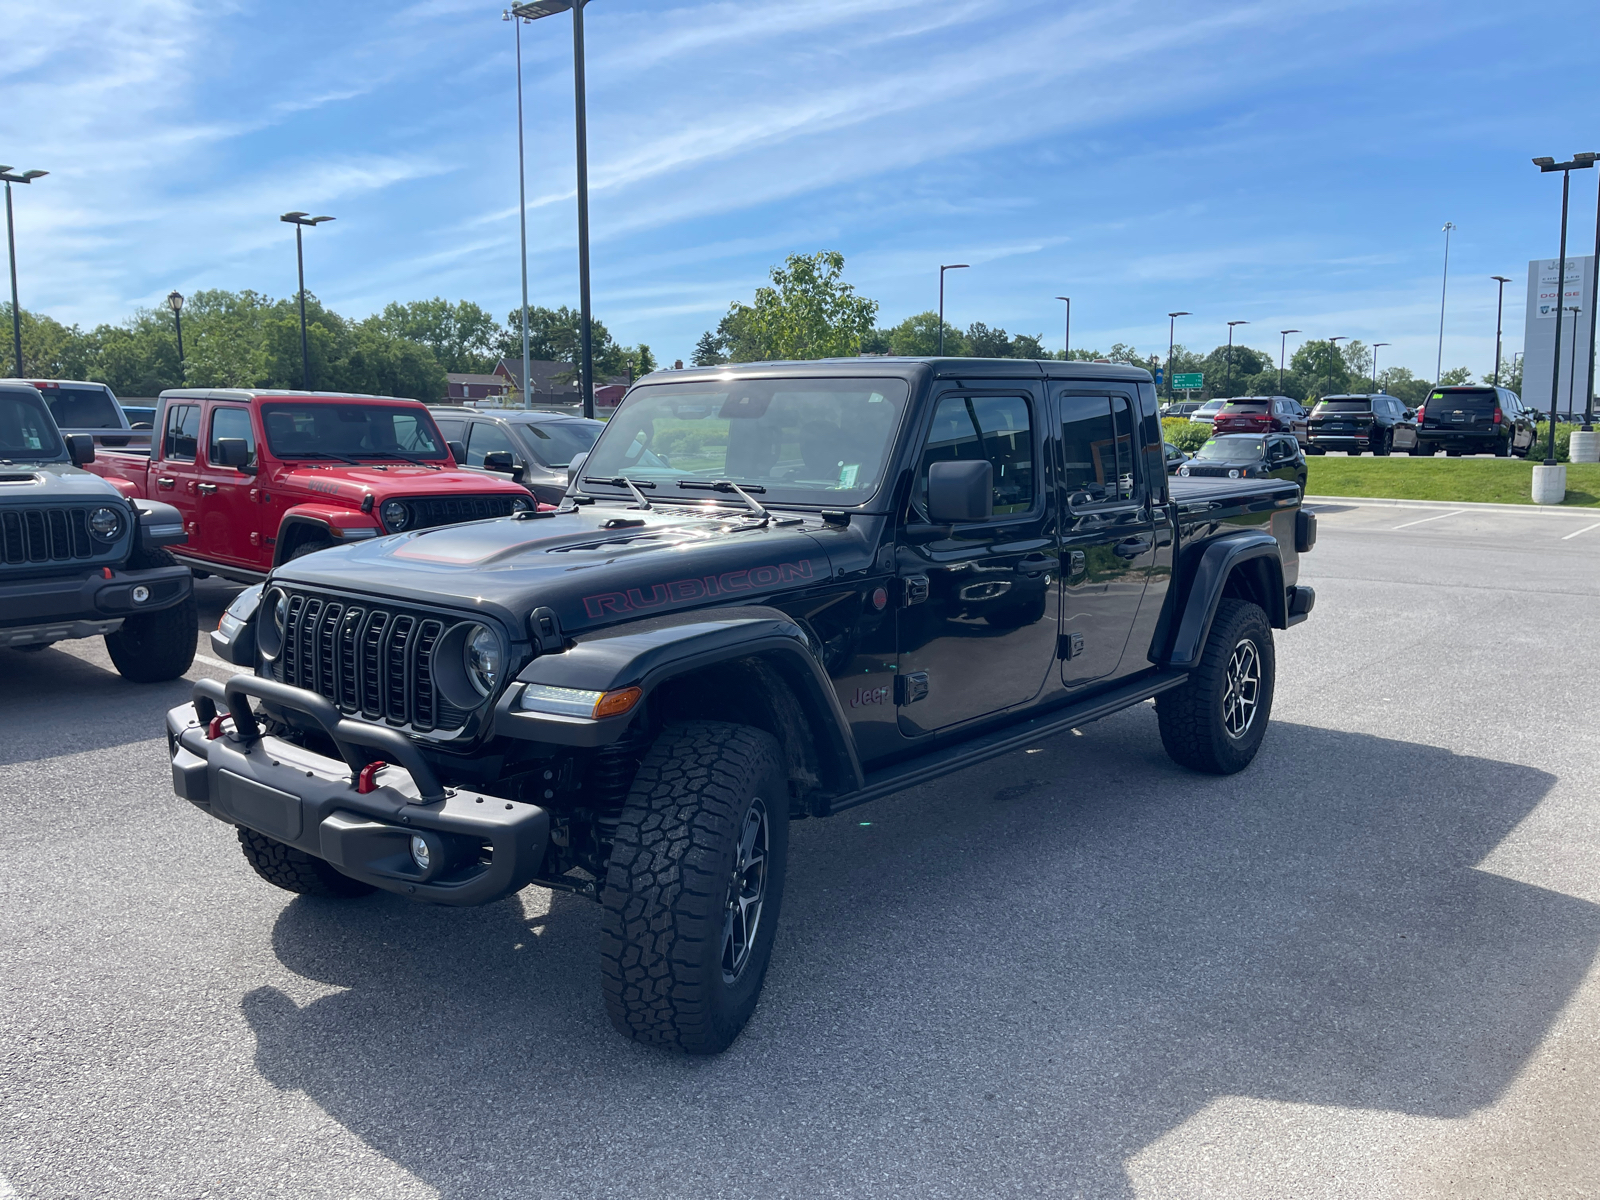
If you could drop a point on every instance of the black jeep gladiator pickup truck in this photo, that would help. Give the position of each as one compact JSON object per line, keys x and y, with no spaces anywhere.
{"x":774,"y":591}
{"x":78,"y":558}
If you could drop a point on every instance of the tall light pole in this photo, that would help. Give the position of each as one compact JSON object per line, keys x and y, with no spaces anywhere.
{"x":522,"y":208}
{"x":1443,"y":285}
{"x":942,"y":270}
{"x":175,"y":303}
{"x":1231,"y":324}
{"x":1572,"y":365}
{"x":300,"y":220}
{"x":11,"y":244}
{"x":1499,"y":308}
{"x":532,"y":12}
{"x":1283,"y":344}
{"x":1172,"y":333}
{"x":1594,"y":306}
{"x":1547,"y":166}
{"x":1375,"y":346}
{"x":1066,"y":341}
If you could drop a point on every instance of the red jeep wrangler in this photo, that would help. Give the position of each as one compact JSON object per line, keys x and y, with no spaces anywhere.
{"x":261,"y":477}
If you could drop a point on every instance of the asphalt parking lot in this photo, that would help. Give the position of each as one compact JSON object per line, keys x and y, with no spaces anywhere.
{"x":1365,"y":967}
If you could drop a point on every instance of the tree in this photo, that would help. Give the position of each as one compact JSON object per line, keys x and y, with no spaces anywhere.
{"x":808,"y":312}
{"x":1510,"y":374}
{"x":554,"y":336}
{"x":708,"y":351}
{"x":919,"y":335}
{"x":1455,"y":377}
{"x":1319,"y":369}
{"x":462,"y":336}
{"x":1405,"y":387}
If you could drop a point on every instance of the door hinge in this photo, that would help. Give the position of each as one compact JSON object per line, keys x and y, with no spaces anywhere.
{"x":1077,"y":563}
{"x":913,"y":590}
{"x":1069,"y":646}
{"x":908,"y":689}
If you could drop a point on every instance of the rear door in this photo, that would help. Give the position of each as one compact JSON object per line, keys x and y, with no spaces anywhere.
{"x":1107,"y":527}
{"x":177,"y":476}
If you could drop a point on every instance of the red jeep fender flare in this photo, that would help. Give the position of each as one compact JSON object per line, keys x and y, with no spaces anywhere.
{"x":331,"y":521}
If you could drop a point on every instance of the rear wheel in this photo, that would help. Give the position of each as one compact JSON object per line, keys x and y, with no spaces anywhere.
{"x":1384,"y":444}
{"x":154,"y":647}
{"x":1215,"y":721}
{"x":694,"y":885}
{"x":294,"y":870}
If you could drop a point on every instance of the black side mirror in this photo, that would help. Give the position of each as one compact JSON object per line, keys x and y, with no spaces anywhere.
{"x":499,"y":460}
{"x":229,"y":452}
{"x":80,"y":448}
{"x":458,"y":451}
{"x":960,"y":492}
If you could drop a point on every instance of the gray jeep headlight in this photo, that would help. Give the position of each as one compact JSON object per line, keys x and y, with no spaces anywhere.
{"x":105,"y":523}
{"x":484,"y":659}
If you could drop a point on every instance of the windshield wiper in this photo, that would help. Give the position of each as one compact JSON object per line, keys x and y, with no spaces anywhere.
{"x":757,"y":509}
{"x":410,"y":458}
{"x":323,"y":454}
{"x":641,"y":500}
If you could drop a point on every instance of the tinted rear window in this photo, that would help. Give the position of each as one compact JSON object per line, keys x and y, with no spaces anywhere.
{"x":83,"y":408}
{"x":1473,"y":402}
{"x":1344,"y":406}
{"x":1245,"y":406}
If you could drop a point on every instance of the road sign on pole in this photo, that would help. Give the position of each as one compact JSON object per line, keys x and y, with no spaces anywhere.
{"x":1192,"y":381}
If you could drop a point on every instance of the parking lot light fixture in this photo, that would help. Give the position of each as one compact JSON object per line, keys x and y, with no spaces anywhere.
{"x":1172,"y":325}
{"x":1449,"y":227}
{"x":942,"y":270}
{"x":175,"y":303}
{"x":300,"y":220}
{"x":1499,"y":307}
{"x":1283,"y":342}
{"x":522,"y":205}
{"x":1228,"y":382}
{"x":1066,"y":342}
{"x":1375,"y":346}
{"x":533,"y":10}
{"x":1548,"y":166}
{"x":11,"y":177}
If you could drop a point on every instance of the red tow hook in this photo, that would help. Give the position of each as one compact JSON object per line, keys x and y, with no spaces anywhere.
{"x":367,"y":780}
{"x":214,"y":730}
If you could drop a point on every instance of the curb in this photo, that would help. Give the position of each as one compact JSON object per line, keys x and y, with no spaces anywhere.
{"x":1387,"y":502}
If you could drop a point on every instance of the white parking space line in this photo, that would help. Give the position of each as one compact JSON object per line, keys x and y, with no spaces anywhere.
{"x":1568,"y":536}
{"x":1425,"y":520}
{"x":210,"y":662}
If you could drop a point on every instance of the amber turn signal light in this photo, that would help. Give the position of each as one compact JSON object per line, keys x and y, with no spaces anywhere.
{"x":614,"y":704}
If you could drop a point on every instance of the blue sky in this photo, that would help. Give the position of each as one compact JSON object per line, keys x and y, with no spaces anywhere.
{"x":1283,"y":163}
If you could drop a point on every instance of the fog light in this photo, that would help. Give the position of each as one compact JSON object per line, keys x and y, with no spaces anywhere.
{"x":421,"y":852}
{"x":141,"y":594}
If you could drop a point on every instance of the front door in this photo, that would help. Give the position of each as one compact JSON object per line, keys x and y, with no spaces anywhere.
{"x":1107,"y":530}
{"x":230,"y":513}
{"x":978,"y":603}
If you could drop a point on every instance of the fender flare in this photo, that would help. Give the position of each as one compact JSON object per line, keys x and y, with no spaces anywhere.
{"x":1209,"y":578}
{"x":332,"y":521}
{"x":647,"y":654}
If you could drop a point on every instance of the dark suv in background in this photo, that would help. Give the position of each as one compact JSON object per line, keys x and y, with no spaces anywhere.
{"x":1262,"y":414}
{"x":533,"y":448}
{"x":1358,"y":423}
{"x":1475,"y":420}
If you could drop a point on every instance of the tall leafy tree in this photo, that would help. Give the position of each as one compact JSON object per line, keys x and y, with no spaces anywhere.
{"x":463,"y":336}
{"x":808,"y":312}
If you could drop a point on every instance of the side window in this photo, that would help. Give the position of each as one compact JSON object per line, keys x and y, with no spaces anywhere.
{"x":231,"y":422}
{"x":452,"y":430}
{"x":972,"y":428}
{"x":486,"y":438}
{"x":183,"y":432}
{"x":1097,"y":447}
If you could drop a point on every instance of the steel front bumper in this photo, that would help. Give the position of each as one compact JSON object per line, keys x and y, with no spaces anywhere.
{"x":481,"y":847}
{"x":51,"y":609}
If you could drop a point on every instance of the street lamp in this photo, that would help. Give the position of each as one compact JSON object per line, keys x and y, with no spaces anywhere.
{"x":300,"y":220}
{"x":522,"y":206}
{"x":1375,"y":346}
{"x":1445,"y":283}
{"x":1547,"y":166}
{"x":1172,"y":325}
{"x":532,"y":11}
{"x":1283,"y":343}
{"x":942,"y":270}
{"x":1231,"y":324}
{"x":175,"y":303}
{"x":1066,"y":341}
{"x":1594,"y":306}
{"x":1499,"y":306}
{"x":11,"y":244}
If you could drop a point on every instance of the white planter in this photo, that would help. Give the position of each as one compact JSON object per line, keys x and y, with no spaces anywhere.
{"x":1549,"y":484}
{"x":1585,"y":446}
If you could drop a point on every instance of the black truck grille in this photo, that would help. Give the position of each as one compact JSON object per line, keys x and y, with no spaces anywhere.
{"x":370,"y":661}
{"x":46,"y":535}
{"x":428,"y":511}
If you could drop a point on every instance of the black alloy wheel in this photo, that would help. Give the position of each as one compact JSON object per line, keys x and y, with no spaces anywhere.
{"x":1215,"y":722}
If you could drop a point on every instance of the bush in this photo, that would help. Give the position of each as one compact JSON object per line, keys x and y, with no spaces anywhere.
{"x":1185,"y":434}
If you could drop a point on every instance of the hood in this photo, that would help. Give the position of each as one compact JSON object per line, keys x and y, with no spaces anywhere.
{"x":398,"y":479}
{"x":595,"y":566}
{"x":52,"y":483}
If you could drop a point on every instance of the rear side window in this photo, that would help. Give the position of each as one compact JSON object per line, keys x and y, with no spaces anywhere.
{"x":83,"y":408}
{"x":1097,"y":447}
{"x":183,"y":432}
{"x":972,"y":428}
{"x":231,"y":422}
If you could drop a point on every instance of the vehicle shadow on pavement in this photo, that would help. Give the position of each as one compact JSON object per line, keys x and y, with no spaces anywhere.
{"x":1004,"y":984}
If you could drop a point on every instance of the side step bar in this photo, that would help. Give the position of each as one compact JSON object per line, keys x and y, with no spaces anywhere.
{"x":935,"y":764}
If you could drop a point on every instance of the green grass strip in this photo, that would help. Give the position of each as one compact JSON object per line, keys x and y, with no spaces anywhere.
{"x":1473,"y":480}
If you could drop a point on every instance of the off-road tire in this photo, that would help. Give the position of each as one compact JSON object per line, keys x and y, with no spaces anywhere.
{"x":294,"y":870}
{"x":309,"y":547}
{"x":1192,"y":716}
{"x":669,"y":883}
{"x":155,"y":647}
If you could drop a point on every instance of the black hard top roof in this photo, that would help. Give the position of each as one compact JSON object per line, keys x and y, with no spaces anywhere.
{"x":871,"y":365}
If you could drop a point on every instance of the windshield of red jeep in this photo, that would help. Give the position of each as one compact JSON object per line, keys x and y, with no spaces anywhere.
{"x":309,"y":429}
{"x":816,"y":441}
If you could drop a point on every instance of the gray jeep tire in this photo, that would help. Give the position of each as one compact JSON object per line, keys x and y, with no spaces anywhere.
{"x":1215,"y":721}
{"x":155,"y":647}
{"x":694,"y":885}
{"x":294,"y":870}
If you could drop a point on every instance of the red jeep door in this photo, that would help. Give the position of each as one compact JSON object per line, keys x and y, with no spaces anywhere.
{"x":230,"y":514}
{"x":176,"y":476}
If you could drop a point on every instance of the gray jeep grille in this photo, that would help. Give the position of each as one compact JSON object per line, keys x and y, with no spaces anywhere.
{"x":47,"y":535}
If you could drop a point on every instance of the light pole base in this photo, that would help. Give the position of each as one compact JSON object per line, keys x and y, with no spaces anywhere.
{"x":1585,"y":446}
{"x":1549,"y":483}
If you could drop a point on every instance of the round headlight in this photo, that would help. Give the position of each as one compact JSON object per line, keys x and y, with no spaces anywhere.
{"x":1183,"y":470}
{"x":105,"y":523}
{"x":483,"y":659}
{"x":521,"y":505}
{"x":1234,"y":474}
{"x":396,"y":516}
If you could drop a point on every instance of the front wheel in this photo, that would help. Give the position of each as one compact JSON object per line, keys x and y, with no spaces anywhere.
{"x":1215,"y":721}
{"x":155,"y":647}
{"x":693,"y":887}
{"x":293,"y":870}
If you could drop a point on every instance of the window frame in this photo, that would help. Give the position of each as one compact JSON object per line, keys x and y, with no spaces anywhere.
{"x":211,"y":437}
{"x":1043,"y":468}
{"x":174,"y":409}
{"x":1107,"y":392}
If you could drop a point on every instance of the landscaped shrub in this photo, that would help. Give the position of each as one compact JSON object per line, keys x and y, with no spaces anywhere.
{"x":1185,"y":434}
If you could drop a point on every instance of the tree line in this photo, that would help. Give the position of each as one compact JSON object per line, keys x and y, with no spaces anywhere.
{"x":246,"y":339}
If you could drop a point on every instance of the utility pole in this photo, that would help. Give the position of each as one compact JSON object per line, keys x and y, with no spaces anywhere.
{"x":1438,"y":367}
{"x":300,"y":220}
{"x":11,"y":244}
{"x":1172,"y":326}
{"x":1499,"y":307}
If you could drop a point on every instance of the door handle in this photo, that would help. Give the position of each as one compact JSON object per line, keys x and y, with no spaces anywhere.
{"x":1132,"y":547}
{"x":165,"y":484}
{"x":1034,"y":565}
{"x":207,"y":488}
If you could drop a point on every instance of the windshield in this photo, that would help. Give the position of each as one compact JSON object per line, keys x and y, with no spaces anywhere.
{"x":308,"y":429}
{"x":82,"y":407}
{"x":816,"y":441}
{"x":1345,"y":406}
{"x":1233,"y":449}
{"x":26,"y":431}
{"x":555,"y":444}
